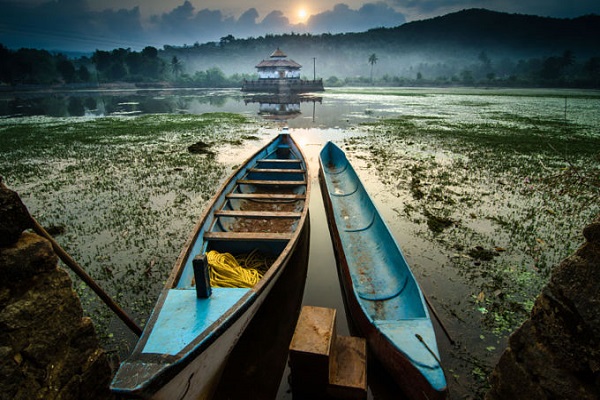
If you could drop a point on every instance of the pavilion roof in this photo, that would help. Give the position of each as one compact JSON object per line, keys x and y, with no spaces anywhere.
{"x":278,"y":63}
{"x":278,"y":59}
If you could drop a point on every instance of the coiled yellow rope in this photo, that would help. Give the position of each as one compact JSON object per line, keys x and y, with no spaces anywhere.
{"x":226,"y":271}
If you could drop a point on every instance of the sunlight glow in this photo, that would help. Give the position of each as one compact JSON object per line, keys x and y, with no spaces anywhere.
{"x":302,"y":14}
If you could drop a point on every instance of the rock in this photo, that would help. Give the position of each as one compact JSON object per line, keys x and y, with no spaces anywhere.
{"x":47,"y":348}
{"x":201,"y":148}
{"x":556,"y":353}
{"x":29,"y":257}
{"x":14,"y":217}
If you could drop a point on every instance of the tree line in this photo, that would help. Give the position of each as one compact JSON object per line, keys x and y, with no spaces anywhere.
{"x":343,"y":60}
{"x":40,"y":67}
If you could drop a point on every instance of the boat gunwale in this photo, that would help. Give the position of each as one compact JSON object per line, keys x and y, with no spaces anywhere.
{"x":382,"y":346}
{"x":177,"y":362}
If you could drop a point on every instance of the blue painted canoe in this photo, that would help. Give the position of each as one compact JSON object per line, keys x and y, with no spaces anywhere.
{"x":263,"y":206}
{"x":381,"y":294}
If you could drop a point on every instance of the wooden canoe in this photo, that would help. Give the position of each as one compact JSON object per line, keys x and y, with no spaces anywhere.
{"x":263,"y":206}
{"x":381,"y":294}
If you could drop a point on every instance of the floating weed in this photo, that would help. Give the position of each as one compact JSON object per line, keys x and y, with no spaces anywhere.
{"x":125,"y":191}
{"x":521,"y":183}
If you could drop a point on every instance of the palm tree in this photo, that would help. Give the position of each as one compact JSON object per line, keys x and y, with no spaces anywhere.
{"x":372,"y":60}
{"x":176,"y":66}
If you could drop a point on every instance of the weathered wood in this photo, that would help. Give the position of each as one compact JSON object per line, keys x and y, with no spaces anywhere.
{"x":272,"y":196}
{"x":257,"y":214}
{"x":348,"y":369}
{"x":188,"y":364}
{"x":261,"y":182}
{"x":202,"y":276}
{"x":364,"y":245}
{"x":310,"y":350}
{"x":75,"y":267}
{"x":277,"y":170}
{"x":279,"y":161}
{"x":264,"y":236}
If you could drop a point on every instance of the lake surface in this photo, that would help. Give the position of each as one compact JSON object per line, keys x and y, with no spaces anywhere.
{"x":341,"y":108}
{"x":337,"y":115}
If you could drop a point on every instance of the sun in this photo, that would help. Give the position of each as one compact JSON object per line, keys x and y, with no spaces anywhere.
{"x":302,"y":14}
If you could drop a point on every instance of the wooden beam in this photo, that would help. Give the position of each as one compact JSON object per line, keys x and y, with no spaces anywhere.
{"x":257,"y":214}
{"x":280,"y":161}
{"x":277,"y":170}
{"x":269,"y":183}
{"x":248,"y":236}
{"x":271,"y":196}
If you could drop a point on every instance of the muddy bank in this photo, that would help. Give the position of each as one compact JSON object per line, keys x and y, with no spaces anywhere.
{"x":47,"y":348}
{"x":555,"y":354}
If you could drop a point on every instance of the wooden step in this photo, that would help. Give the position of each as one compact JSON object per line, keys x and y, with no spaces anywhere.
{"x":248,"y":236}
{"x":266,"y":196}
{"x":348,"y":369}
{"x":310,"y":349}
{"x":257,"y":214}
{"x":324,"y":365}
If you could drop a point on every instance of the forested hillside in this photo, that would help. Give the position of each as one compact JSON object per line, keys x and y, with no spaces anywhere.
{"x":471,"y":47}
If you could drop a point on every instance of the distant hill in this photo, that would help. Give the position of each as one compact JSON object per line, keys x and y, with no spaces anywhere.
{"x":441,"y":45}
{"x":516,"y":34}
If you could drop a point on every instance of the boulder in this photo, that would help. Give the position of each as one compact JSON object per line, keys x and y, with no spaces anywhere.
{"x":556,"y":353}
{"x":14,"y":217}
{"x":48,"y":349}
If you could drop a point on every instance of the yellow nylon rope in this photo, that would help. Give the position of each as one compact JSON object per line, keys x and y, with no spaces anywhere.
{"x":226,"y":271}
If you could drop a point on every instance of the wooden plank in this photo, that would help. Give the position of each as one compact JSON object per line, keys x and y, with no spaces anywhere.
{"x":246,"y":236}
{"x":280,"y":161}
{"x":272,"y":196}
{"x":310,"y":350}
{"x":277,"y":170}
{"x":348,"y":369}
{"x":257,"y":214}
{"x":269,"y":183}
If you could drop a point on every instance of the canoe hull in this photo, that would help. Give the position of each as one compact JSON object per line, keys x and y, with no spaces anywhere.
{"x":353,"y":248}
{"x":185,"y":345}
{"x":210,"y":363}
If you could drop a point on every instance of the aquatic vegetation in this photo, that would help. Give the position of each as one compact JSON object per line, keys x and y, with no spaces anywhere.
{"x":502,"y":195}
{"x":506,"y":173}
{"x":125,"y":192}
{"x":511,"y":176}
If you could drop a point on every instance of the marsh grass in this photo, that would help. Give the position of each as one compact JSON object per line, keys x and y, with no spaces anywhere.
{"x":535,"y":180}
{"x":504,"y":199}
{"x":125,"y":191}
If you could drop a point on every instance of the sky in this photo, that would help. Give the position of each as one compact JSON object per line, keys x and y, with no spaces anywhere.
{"x":87,"y":25}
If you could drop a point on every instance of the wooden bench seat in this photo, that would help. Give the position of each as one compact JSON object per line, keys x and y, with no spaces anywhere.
{"x":269,"y":182}
{"x":257,"y":214}
{"x":277,"y":170}
{"x":279,"y":161}
{"x":266,"y":196}
{"x":263,"y":236}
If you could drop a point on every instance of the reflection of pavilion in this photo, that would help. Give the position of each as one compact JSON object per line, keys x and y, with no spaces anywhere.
{"x":276,"y":107}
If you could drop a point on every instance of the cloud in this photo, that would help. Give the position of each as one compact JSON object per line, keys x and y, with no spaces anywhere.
{"x":344,"y":19}
{"x":275,"y":22}
{"x":73,"y":25}
{"x":184,"y":24}
{"x":248,"y":19}
{"x":68,"y":25}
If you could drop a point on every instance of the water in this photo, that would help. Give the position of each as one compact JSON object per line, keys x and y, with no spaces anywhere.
{"x":336,"y":115}
{"x":337,"y":109}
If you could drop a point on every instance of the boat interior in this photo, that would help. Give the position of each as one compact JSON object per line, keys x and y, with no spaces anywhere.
{"x":259,"y":211}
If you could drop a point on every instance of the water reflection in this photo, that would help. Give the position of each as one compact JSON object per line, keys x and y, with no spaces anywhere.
{"x":114,"y":102}
{"x":301,"y":111}
{"x":282,"y":107}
